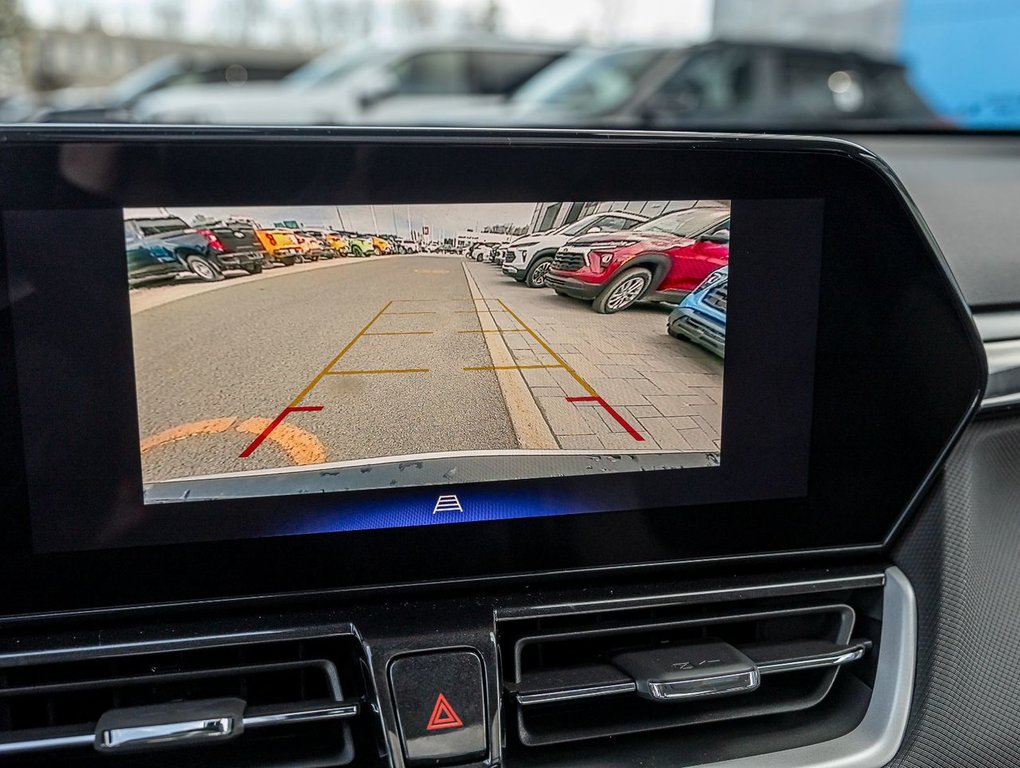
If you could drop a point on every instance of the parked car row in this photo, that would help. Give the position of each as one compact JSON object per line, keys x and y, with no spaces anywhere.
{"x":117,"y":101}
{"x":498,"y":82}
{"x":617,"y":258}
{"x":493,"y":82}
{"x":163,"y":246}
{"x":345,"y":86}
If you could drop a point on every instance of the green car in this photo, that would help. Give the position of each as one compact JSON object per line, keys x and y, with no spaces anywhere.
{"x":360,"y":245}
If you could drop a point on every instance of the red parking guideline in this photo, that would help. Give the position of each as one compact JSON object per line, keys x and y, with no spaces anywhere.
{"x":295,"y":403}
{"x":273,"y":425}
{"x":612,"y":412}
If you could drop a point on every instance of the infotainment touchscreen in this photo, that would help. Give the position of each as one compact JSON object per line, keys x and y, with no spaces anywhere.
{"x":239,"y":371}
{"x":286,"y":350}
{"x":239,"y":361}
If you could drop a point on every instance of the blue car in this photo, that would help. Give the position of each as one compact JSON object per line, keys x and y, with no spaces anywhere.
{"x":701,"y":316}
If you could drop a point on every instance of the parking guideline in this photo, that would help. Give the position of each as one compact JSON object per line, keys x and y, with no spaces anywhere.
{"x":295,"y":404}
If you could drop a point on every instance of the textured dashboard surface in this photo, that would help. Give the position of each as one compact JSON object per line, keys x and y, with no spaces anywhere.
{"x":962,"y":555}
{"x":965,"y":187}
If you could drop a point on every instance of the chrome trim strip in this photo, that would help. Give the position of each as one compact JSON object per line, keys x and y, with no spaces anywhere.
{"x":570,"y":694}
{"x":1000,"y":401}
{"x":997,"y":325}
{"x":168,"y":734}
{"x":335,"y":712}
{"x":46,"y":744}
{"x":1003,"y":388}
{"x":836,"y":659}
{"x":877,"y":739}
{"x":338,"y":711}
{"x":703,"y":687}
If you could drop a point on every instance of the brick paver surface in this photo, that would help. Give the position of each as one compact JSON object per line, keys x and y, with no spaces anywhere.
{"x":669,"y":391}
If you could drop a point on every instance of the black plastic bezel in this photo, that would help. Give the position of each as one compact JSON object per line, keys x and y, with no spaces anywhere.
{"x":899,"y":365}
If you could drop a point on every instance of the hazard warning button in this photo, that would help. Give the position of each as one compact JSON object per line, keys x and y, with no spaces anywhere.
{"x":440,"y":702}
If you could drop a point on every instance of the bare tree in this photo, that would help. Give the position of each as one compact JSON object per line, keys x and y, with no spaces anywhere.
{"x":418,"y":14}
{"x":331,"y":20}
{"x":12,"y":27}
{"x":611,"y":18}
{"x":170,"y":17}
{"x":490,"y":21}
{"x":245,"y":16}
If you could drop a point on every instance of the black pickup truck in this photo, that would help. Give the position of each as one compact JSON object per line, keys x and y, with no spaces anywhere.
{"x":165,"y":245}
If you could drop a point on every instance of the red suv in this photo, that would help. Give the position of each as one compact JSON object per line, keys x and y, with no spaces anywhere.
{"x":661,"y":260}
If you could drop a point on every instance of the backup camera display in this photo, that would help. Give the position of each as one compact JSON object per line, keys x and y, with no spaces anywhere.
{"x":316,"y":349}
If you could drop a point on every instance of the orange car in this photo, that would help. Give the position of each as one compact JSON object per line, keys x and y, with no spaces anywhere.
{"x":380,"y":245}
{"x":330,"y":243}
{"x":281,"y":244}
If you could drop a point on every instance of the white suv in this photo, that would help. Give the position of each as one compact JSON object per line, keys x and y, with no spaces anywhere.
{"x":529,"y":257}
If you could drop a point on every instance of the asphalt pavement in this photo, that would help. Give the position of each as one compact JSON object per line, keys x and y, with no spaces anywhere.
{"x":420,"y":356}
{"x":214,"y":369}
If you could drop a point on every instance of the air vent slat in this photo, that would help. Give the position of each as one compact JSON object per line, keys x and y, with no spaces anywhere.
{"x":117,"y":683}
{"x":623,"y":672}
{"x":289,"y":686}
{"x":591,"y":680}
{"x":774,"y":658}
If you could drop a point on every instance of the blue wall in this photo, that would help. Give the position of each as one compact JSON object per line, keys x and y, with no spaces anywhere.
{"x":964,"y":58}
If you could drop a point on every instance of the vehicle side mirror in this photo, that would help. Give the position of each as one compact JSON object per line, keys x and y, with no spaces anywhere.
{"x":594,"y":229}
{"x":722,"y":237}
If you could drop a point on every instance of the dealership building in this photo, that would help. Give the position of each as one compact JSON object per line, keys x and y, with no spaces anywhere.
{"x":549,"y":216}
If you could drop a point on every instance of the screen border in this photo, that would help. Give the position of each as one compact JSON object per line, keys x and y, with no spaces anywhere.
{"x":853,"y":501}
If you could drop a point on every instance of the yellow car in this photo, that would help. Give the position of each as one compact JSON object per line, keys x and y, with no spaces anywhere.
{"x":281,"y":245}
{"x":336,"y":244}
{"x":380,"y":246}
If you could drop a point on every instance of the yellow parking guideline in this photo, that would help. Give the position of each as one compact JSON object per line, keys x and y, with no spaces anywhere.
{"x":451,"y":301}
{"x":377,"y":371}
{"x":318,"y":377}
{"x":577,"y":377}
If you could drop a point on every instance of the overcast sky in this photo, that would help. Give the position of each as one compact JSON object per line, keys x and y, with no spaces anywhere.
{"x":443,"y":220}
{"x":595,"y":20}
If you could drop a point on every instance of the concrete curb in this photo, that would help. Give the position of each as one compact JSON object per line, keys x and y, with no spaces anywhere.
{"x":143,"y":299}
{"x":526,"y":418}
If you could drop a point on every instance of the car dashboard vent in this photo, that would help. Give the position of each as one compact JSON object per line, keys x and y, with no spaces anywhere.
{"x":730,"y":668}
{"x":278,"y":703}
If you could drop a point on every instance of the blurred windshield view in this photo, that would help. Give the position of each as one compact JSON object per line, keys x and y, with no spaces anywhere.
{"x":825,"y":65}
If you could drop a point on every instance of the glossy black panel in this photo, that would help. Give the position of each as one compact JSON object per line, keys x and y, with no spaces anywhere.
{"x":440,"y":703}
{"x":888,"y":317}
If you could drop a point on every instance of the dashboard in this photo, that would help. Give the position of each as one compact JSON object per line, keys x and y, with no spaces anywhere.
{"x":301,"y":469}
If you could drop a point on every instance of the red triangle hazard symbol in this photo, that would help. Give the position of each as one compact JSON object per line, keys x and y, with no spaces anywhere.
{"x":443,"y":716}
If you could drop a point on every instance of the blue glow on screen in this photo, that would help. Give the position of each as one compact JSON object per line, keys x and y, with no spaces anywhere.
{"x":439,"y":507}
